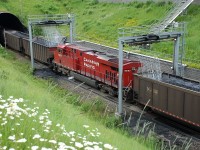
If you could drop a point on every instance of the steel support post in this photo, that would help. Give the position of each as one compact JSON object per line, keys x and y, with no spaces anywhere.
{"x":120,"y":81}
{"x":31,"y":44}
{"x":71,"y":30}
{"x":176,"y":56}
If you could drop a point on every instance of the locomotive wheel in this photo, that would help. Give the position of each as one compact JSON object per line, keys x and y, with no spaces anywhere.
{"x":112,"y":93}
{"x":102,"y":90}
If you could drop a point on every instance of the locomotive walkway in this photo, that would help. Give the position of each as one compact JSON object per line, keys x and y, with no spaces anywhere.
{"x":190,"y":73}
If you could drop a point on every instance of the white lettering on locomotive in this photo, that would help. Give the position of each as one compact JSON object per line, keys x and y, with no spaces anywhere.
{"x":89,"y":66}
{"x":90,"y":63}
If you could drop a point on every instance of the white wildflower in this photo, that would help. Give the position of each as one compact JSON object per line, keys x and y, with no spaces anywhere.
{"x":17,"y":124}
{"x":96,"y":147}
{"x":4,"y":123}
{"x":63,"y":127}
{"x":46,"y":130}
{"x":34,"y":147}
{"x":88,"y":148}
{"x":11,"y":97}
{"x":92,"y":134}
{"x":66,"y":133}
{"x":44,"y":148}
{"x":41,"y":117}
{"x":0,"y":135}
{"x":21,"y":140}
{"x":79,"y":145}
{"x":61,"y":146}
{"x":5,"y":147}
{"x":58,"y":125}
{"x":52,"y":141}
{"x":95,"y":143}
{"x":34,"y":114}
{"x":3,"y":101}
{"x":72,"y":133}
{"x":36,"y":136}
{"x":86,"y":126}
{"x":49,"y":122}
{"x":21,"y":99}
{"x":45,"y":114}
{"x":2,"y":106}
{"x":108,"y":146}
{"x":28,"y":109}
{"x":14,"y":108}
{"x":11,"y":137}
{"x":11,"y":117}
{"x":41,"y":139}
{"x":87,"y":143}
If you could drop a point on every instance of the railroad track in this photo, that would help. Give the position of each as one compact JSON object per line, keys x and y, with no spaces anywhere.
{"x":166,"y":130}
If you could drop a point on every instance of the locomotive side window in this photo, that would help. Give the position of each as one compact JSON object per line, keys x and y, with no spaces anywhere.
{"x":81,"y":54}
{"x":111,"y":75}
{"x":106,"y":74}
{"x":114,"y":77}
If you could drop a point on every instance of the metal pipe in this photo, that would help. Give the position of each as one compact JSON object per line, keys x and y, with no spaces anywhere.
{"x":31,"y":44}
{"x":71,"y":30}
{"x":120,"y":81}
{"x":176,"y":55}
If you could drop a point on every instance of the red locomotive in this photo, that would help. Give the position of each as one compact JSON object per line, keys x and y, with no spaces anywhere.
{"x":94,"y":68}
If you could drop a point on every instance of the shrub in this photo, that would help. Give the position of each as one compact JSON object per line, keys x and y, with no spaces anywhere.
{"x":94,"y":2}
{"x":112,"y":122}
{"x":161,"y":4}
{"x":3,"y":0}
{"x":139,"y":5}
{"x":149,"y":2}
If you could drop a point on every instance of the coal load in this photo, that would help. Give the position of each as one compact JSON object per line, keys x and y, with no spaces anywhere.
{"x":181,"y":82}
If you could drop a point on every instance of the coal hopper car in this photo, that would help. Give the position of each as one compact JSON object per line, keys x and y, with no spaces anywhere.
{"x":42,"y":49}
{"x":173,"y":96}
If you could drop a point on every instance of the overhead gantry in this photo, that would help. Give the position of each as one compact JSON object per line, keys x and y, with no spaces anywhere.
{"x":141,"y":40}
{"x":49,"y":20}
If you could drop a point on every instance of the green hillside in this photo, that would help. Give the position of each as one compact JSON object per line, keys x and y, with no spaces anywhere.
{"x":37,"y":114}
{"x":99,"y":22}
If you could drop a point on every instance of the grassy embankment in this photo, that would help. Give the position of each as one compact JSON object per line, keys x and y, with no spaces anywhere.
{"x":99,"y":22}
{"x":30,"y":124}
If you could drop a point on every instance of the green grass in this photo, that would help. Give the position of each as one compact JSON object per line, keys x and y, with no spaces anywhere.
{"x":16,"y":80}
